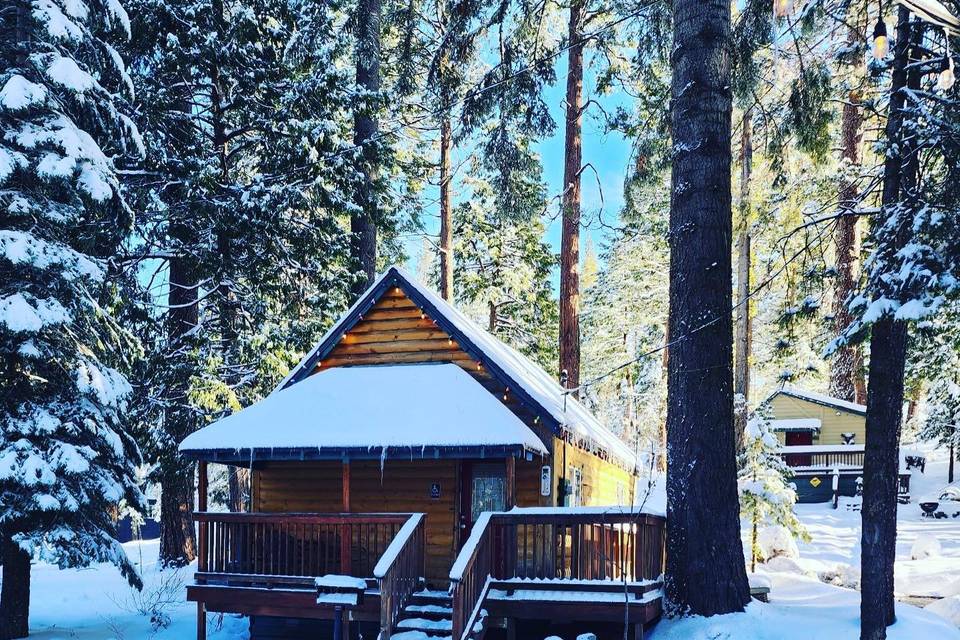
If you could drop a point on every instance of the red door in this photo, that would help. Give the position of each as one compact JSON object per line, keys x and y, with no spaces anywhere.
{"x":799,"y":438}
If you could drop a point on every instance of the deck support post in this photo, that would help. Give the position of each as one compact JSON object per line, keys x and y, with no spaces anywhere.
{"x":511,"y":629}
{"x":201,"y":621}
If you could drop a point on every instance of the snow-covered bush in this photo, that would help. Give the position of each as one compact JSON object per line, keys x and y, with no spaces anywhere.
{"x":782,"y":564}
{"x":766,"y":496}
{"x":777,"y":541}
{"x":925,"y":546}
{"x":843,"y":575}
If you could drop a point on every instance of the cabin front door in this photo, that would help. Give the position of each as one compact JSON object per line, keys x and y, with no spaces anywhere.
{"x":483,"y":487}
{"x":799,"y":438}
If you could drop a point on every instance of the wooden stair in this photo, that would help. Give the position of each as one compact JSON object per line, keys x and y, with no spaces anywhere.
{"x":429,"y":614}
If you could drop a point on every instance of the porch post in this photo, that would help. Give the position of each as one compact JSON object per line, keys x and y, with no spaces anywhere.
{"x":511,"y":483}
{"x":201,"y":621}
{"x":346,"y":534}
{"x":202,"y":507}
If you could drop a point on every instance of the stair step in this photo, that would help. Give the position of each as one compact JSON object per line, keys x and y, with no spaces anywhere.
{"x":428,"y":611}
{"x":426,"y":625}
{"x":417,"y":635}
{"x":426,"y":597}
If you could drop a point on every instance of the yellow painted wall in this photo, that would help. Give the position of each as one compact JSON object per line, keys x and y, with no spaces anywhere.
{"x":833,"y":422}
{"x":604,"y":483}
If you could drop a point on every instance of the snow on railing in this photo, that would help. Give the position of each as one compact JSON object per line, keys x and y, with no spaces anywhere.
{"x":570,"y":544}
{"x":399,"y":571}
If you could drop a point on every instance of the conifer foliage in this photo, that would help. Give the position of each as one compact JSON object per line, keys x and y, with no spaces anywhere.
{"x":66,"y":457}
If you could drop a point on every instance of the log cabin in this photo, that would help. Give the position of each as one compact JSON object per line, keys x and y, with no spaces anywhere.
{"x":408,"y":411}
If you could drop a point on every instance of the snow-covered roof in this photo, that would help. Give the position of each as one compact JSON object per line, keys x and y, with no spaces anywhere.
{"x":822,"y":399}
{"x":796,"y":424}
{"x":522,"y":374}
{"x":373,"y":408}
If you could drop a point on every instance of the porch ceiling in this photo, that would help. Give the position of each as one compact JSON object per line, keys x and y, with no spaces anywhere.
{"x":421,"y":410}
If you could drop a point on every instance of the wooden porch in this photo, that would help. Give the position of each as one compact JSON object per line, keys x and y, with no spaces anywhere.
{"x":533,"y":563}
{"x":272,"y":564}
{"x":520,"y":565}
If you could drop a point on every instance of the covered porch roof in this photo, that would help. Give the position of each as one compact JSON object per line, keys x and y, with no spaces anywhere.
{"x":413,"y":410}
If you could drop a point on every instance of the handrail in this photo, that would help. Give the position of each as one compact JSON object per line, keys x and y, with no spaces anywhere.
{"x":319,"y":518}
{"x":293,"y":544}
{"x":550,"y":543}
{"x":399,"y":571}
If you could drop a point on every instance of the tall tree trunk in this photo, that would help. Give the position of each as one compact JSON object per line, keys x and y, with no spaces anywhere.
{"x":15,"y":590}
{"x":570,"y":229}
{"x":227,"y":302}
{"x":950,"y":465}
{"x":846,"y":367}
{"x":705,"y":562}
{"x":446,"y":212}
{"x":741,"y":372}
{"x":885,"y":392}
{"x":363,"y":223}
{"x":178,"y":545}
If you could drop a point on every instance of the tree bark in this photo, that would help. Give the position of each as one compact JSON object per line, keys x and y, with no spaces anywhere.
{"x":363,"y":222}
{"x":446,"y":212}
{"x":741,"y":372}
{"x":178,"y":544}
{"x":706,"y":574}
{"x":885,"y":392}
{"x":570,"y":229}
{"x":846,"y":368}
{"x":15,"y":591}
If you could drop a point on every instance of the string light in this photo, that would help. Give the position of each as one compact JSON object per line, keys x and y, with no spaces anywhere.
{"x":881,"y":43}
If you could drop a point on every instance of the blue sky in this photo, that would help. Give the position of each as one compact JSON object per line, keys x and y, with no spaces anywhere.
{"x":609,"y":154}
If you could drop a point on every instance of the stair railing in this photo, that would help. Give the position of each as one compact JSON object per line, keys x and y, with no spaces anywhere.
{"x":598,"y":543}
{"x":399,"y":571}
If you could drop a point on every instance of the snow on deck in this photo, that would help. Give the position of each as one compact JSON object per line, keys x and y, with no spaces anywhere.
{"x":336,"y":581}
{"x":372,"y":407}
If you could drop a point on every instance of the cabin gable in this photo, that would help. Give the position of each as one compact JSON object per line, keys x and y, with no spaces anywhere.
{"x":834,"y":421}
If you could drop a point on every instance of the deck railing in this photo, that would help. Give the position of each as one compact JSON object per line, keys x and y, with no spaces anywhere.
{"x":822,"y":455}
{"x":255,"y":546}
{"x":550,"y":544}
{"x":399,"y":571}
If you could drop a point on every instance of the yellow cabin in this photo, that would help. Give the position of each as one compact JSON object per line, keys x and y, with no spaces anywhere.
{"x":802,"y":417}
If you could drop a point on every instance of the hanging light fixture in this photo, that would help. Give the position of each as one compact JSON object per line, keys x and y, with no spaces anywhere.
{"x":782,"y":8}
{"x":881,"y":44}
{"x":946,"y":79}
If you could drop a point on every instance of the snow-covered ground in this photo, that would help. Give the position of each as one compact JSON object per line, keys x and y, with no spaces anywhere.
{"x":800,"y":609}
{"x":97,"y":604}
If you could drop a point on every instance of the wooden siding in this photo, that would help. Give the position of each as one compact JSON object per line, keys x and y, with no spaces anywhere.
{"x":396,"y":331}
{"x":833,"y":422}
{"x":604,"y":483}
{"x":402,"y":486}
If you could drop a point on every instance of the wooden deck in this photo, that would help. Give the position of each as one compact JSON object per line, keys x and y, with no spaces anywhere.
{"x":516,"y":566}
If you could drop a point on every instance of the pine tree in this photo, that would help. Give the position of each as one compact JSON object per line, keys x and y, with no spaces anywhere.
{"x":766,"y":496}
{"x":254,"y":171}
{"x":701,"y":468}
{"x":67,"y":457}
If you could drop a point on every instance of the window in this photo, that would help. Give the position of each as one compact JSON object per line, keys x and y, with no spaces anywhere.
{"x":575,"y":498}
